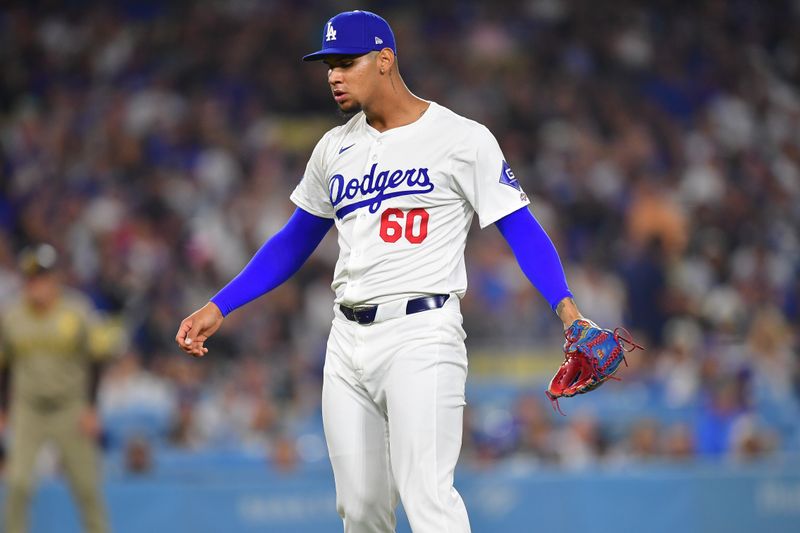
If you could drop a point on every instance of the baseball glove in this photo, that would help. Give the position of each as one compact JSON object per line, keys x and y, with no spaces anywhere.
{"x":591,"y":356}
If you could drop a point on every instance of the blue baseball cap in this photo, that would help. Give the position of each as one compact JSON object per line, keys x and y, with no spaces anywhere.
{"x":354,"y":33}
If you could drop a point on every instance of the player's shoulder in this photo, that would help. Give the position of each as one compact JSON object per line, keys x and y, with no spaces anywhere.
{"x":74,"y":301}
{"x":459,"y":126}
{"x":464,"y":134}
{"x":446,"y":115}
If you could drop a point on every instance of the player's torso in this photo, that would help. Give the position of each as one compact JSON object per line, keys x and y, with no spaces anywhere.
{"x":401,"y":218}
{"x":49,"y":350}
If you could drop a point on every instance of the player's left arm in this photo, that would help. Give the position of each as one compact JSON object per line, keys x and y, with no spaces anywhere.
{"x":489,"y":185}
{"x":539,"y":260}
{"x":592,"y":354}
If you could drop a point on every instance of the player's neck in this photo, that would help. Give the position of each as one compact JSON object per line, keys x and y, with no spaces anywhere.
{"x":395,"y":109}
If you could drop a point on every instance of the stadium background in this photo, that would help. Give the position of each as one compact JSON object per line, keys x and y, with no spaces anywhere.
{"x":155,"y":144}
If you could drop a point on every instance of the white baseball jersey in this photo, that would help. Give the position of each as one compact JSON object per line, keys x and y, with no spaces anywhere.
{"x":403,"y":202}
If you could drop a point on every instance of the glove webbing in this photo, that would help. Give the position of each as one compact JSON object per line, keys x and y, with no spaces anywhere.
{"x":624,"y":341}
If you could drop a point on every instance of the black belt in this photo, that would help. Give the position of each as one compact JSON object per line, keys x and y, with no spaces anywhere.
{"x":365,"y":314}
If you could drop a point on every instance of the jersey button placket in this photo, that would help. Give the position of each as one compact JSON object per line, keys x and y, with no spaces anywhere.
{"x":354,"y":255}
{"x":377,"y":148}
{"x":361,"y":228}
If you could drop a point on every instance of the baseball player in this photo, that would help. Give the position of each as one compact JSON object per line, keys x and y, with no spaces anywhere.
{"x":401,"y":180}
{"x":51,"y":363}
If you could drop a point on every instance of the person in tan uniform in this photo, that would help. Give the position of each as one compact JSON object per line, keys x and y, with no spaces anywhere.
{"x":49,"y":375}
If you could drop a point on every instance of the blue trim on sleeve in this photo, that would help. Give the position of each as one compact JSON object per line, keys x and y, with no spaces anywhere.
{"x":275,"y":262}
{"x":536,"y":254}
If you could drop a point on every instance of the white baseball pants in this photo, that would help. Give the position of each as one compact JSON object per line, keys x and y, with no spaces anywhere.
{"x":392,"y":408}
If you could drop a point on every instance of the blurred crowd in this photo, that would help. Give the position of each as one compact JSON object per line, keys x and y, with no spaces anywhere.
{"x":156,"y":144}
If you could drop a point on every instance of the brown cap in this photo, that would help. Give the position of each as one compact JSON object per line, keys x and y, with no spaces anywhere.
{"x":37,"y":259}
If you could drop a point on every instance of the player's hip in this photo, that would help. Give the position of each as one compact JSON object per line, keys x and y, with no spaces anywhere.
{"x":434,"y":334}
{"x":407,"y":323}
{"x":401,"y":307}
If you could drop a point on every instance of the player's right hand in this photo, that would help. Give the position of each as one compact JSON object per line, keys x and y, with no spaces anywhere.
{"x":196,"y":328}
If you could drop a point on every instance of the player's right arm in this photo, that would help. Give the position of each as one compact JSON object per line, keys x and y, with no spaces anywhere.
{"x":275,"y":262}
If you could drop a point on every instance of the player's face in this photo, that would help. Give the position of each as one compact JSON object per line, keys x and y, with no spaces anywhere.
{"x":352,"y":80}
{"x":41,"y":289}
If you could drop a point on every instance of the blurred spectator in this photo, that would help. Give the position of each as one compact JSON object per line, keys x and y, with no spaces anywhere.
{"x":645,"y":277}
{"x":580,"y":443}
{"x":721,"y":410}
{"x":774,"y":364}
{"x":644,"y":441}
{"x":182,"y":432}
{"x":134,"y":401}
{"x":138,"y":456}
{"x":660,"y":146}
{"x":536,"y":435}
{"x":656,"y":222}
{"x":679,"y":364}
{"x":679,"y":443}
{"x":601,"y":294}
{"x":750,"y":441}
{"x":284,"y":455}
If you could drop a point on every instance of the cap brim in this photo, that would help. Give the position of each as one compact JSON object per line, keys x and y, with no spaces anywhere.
{"x":322,"y":54}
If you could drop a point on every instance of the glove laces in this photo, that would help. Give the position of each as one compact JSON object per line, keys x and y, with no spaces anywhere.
{"x":624,"y":341}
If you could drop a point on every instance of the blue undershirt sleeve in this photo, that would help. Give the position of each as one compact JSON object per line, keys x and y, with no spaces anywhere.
{"x":535,"y":254}
{"x":275,"y":262}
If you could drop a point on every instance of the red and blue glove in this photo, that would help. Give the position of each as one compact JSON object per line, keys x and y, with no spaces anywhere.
{"x":591,"y":357}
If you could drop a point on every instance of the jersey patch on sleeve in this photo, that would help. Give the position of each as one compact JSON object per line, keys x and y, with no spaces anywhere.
{"x":507,"y":177}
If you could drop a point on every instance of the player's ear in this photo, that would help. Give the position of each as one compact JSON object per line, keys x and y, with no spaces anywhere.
{"x":386,"y":60}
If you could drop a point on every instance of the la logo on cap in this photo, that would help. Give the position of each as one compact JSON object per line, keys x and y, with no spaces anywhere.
{"x":354,"y":33}
{"x":331,"y":34}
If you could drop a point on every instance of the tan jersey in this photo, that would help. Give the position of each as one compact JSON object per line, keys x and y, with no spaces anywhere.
{"x":49,"y":354}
